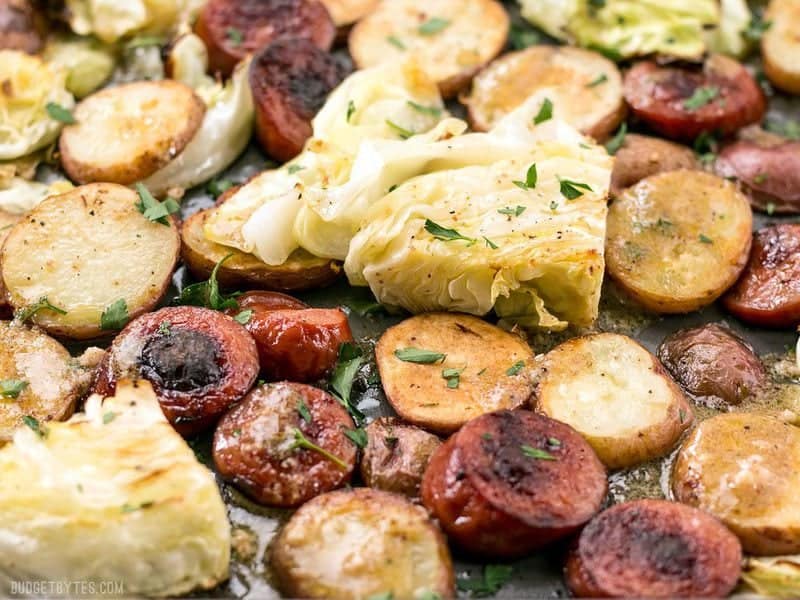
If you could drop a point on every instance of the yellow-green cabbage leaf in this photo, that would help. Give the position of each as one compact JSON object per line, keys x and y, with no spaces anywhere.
{"x":89,"y":63}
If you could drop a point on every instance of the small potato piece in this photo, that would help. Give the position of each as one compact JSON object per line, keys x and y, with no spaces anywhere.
{"x":742,"y":468}
{"x":681,"y":103}
{"x":492,"y":365}
{"x":256,"y":444}
{"x":359,"y":544}
{"x":452,"y":39}
{"x":290,"y":80}
{"x":199,"y":361}
{"x":84,"y":251}
{"x":768,"y":172}
{"x":396,"y":456}
{"x":22,"y":26}
{"x":301,"y":272}
{"x":780,"y":46}
{"x":347,"y":12}
{"x":512,"y":481}
{"x":654,"y":549}
{"x":126,"y":133}
{"x":232,"y":29}
{"x":676,"y":241}
{"x":642,"y":155}
{"x":616,"y":395}
{"x":713,"y":364}
{"x":768,"y":293}
{"x":38,"y":378}
{"x":584,"y":87}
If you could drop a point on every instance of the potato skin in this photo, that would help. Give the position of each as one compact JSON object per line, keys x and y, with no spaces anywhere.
{"x":769,"y":173}
{"x":250,"y":444}
{"x":199,"y":362}
{"x":396,"y":456}
{"x":768,"y":292}
{"x":493,"y":500}
{"x":642,"y":155}
{"x":301,"y":272}
{"x":258,"y":23}
{"x":713,"y":364}
{"x":290,"y":80}
{"x":22,"y":26}
{"x":780,"y":46}
{"x":654,"y":549}
{"x":658,"y":96}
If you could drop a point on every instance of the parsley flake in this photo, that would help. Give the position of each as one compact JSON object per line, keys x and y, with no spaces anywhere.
{"x":351,"y":108}
{"x":433,"y":26}
{"x":599,"y":80}
{"x":12,"y":388}
{"x":701,"y":96}
{"x":217,"y":187}
{"x":115,"y":316}
{"x":536,"y":453}
{"x":545,"y":112}
{"x":302,"y":410}
{"x":357,"y":436}
{"x":705,"y":239}
{"x":206,"y":293}
{"x":515,"y":368}
{"x":445,"y":234}
{"x":396,"y":42}
{"x":517,"y":211}
{"x":419,"y":356}
{"x":59,"y":113}
{"x":401,"y":131}
{"x":23,"y":314}
{"x":453,"y":377}
{"x":433,"y":111}
{"x":615,"y":143}
{"x":490,"y":243}
{"x":235,"y":36}
{"x":569,"y":189}
{"x":33,"y":424}
{"x":243,"y":318}
{"x":152,"y":209}
{"x":531,"y":178}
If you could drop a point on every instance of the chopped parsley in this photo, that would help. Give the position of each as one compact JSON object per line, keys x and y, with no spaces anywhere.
{"x":152,"y":209}
{"x":701,"y":96}
{"x":433,"y":26}
{"x":300,"y":441}
{"x":243,"y":318}
{"x":59,"y":113}
{"x":493,"y":579}
{"x":760,"y":178}
{"x":206,"y":293}
{"x":351,"y":109}
{"x":401,"y":131}
{"x":570,"y":189}
{"x":165,"y":327}
{"x":615,"y":143}
{"x":349,"y":361}
{"x":515,"y":212}
{"x":599,"y":80}
{"x":12,"y":388}
{"x":23,"y":314}
{"x":545,"y":112}
{"x":445,"y":234}
{"x":419,"y":356}
{"x":235,"y":36}
{"x":128,"y":508}
{"x":217,"y":187}
{"x":452,"y":376}
{"x":521,"y":37}
{"x":433,"y":111}
{"x":770,"y":208}
{"x":515,"y":368}
{"x":115,"y":316}
{"x":292,"y":169}
{"x":705,"y":239}
{"x":33,"y":424}
{"x":553,"y":205}
{"x":756,"y":28}
{"x":490,"y":243}
{"x":396,"y":42}
{"x":536,"y":453}
{"x":357,"y":436}
{"x":554,"y":442}
{"x":302,"y":410}
{"x":531,"y":178}
{"x":108,"y":417}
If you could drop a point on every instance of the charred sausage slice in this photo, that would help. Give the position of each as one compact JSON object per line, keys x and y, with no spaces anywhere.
{"x":510,"y":482}
{"x":259,"y":447}
{"x":232,"y":29}
{"x":290,"y":80}
{"x":654,"y":549}
{"x":199,"y":362}
{"x":768,"y":292}
{"x":681,"y":103}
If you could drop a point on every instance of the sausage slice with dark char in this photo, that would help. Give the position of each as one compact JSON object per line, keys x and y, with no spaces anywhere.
{"x":654,"y":549}
{"x":290,"y":80}
{"x":768,"y":292}
{"x":258,"y":445}
{"x":232,"y":29}
{"x":681,"y":103}
{"x":510,"y":482}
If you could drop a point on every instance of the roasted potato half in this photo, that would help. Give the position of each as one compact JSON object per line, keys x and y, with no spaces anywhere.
{"x":676,"y":241}
{"x":616,"y":395}
{"x":642,"y":155}
{"x":126,"y":133}
{"x":742,"y":468}
{"x":347,"y":12}
{"x":584,"y":87}
{"x":452,"y":39}
{"x":86,"y":252}
{"x":440,"y":370}
{"x":301,"y":272}
{"x":780,"y":46}
{"x":358,"y":544}
{"x":38,"y":378}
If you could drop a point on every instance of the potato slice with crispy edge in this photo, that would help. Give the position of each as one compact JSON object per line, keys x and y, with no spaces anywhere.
{"x":361,"y":543}
{"x":126,"y":133}
{"x":584,"y":87}
{"x":301,"y":272}
{"x":616,"y":395}
{"x":780,"y":46}
{"x":676,"y":241}
{"x":742,"y":468}
{"x":347,"y":12}
{"x":84,"y":251}
{"x":452,"y":38}
{"x":490,"y":367}
{"x":39,"y":378}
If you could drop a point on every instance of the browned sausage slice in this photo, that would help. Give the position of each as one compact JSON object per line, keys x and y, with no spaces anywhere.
{"x":258,"y":445}
{"x":290,"y":80}
{"x":768,"y":292}
{"x":681,"y":103}
{"x":654,"y":549}
{"x":510,"y":482}
{"x":713,"y":365}
{"x":769,"y":174}
{"x":262,"y":302}
{"x":232,"y":29}
{"x":22,"y":27}
{"x":199,"y":361}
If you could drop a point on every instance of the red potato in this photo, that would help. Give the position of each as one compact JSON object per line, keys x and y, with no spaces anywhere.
{"x":510,"y":482}
{"x":768,"y":292}
{"x":681,"y":103}
{"x":768,"y":173}
{"x":199,"y":361}
{"x":294,"y":343}
{"x":232,"y":29}
{"x":290,"y":80}
{"x":255,"y":444}
{"x":654,"y":549}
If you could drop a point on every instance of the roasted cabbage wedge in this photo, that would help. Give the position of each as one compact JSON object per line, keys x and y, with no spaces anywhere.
{"x":89,"y":62}
{"x":28,"y":85}
{"x":626,"y":28}
{"x":113,"y":494}
{"x":774,"y":577}
{"x":18,"y":195}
